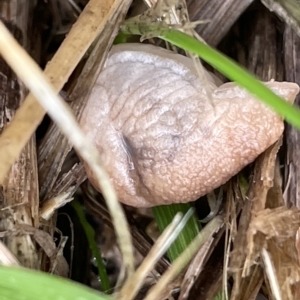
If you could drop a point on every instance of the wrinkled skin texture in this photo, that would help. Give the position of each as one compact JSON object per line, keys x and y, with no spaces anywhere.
{"x":161,"y":139}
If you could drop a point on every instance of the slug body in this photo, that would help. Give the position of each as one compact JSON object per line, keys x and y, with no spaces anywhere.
{"x":162,"y":140}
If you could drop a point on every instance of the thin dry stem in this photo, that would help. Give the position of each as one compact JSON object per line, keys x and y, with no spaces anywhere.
{"x":269,"y":268}
{"x":51,"y":205}
{"x":162,"y":244}
{"x":6,"y":257}
{"x":179,"y":264}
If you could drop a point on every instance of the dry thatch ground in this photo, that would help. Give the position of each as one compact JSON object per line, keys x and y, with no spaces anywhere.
{"x":260,"y":233}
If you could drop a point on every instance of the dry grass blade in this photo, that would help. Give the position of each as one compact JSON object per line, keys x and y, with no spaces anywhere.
{"x":30,"y":114}
{"x":6,"y":257}
{"x":180,"y":263}
{"x":269,"y":231}
{"x":271,"y":274}
{"x":162,"y":244}
{"x":34,"y":78}
{"x":58,"y":264}
{"x":53,"y":204}
{"x":195,"y":268}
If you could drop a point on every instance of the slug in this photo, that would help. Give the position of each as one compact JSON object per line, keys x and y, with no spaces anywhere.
{"x":161,"y":139}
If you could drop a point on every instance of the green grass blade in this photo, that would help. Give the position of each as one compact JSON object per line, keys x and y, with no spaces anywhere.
{"x":220,"y":62}
{"x":90,"y":234}
{"x":164,"y":215}
{"x":19,"y":283}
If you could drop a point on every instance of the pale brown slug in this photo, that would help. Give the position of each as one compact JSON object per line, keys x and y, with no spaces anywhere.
{"x":161,"y":139}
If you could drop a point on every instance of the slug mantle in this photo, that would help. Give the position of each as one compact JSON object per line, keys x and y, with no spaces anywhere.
{"x":161,"y":139}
